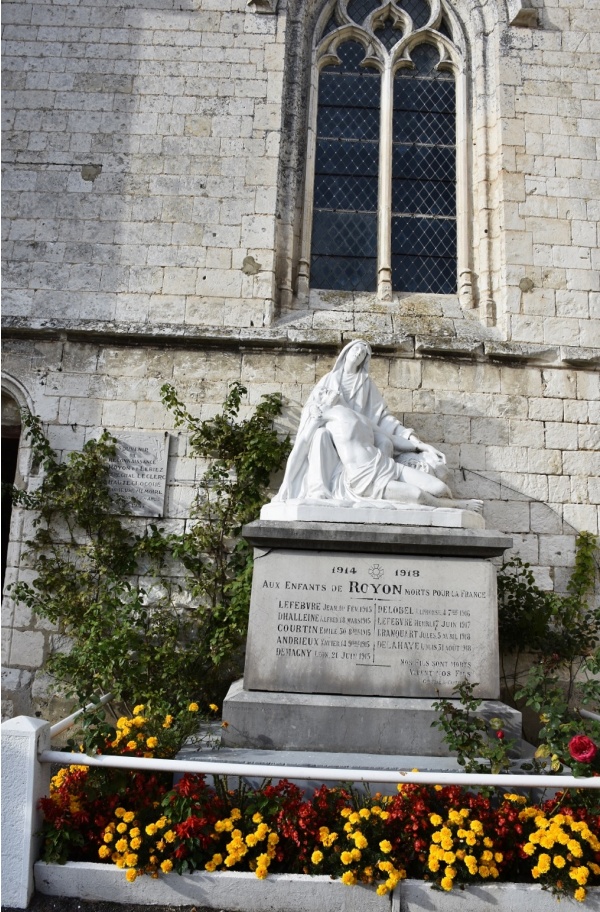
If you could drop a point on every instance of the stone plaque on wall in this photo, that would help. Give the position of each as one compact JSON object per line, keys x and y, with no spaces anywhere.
{"x":138,"y":473}
{"x":387,"y":625}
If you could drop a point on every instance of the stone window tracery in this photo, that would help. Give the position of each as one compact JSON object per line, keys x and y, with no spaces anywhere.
{"x":385,"y":158}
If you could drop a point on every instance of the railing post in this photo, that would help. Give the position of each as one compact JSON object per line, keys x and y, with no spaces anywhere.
{"x":24,"y":781}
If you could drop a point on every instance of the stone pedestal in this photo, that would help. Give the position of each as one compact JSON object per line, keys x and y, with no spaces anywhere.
{"x":348,"y":724}
{"x":355,"y":630}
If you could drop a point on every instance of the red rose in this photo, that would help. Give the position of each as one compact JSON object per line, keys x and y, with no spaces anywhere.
{"x":500,"y":735}
{"x":582,"y":749}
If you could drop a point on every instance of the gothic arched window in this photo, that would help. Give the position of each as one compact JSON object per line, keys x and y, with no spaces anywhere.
{"x":381,"y":189}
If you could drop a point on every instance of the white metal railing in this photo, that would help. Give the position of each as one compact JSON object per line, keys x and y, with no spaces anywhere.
{"x":68,"y":721}
{"x":326,"y":774}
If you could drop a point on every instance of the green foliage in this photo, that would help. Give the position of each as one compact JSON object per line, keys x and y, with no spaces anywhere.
{"x":524,"y":610}
{"x":546,"y":693}
{"x":88,"y":561}
{"x":564,"y":626}
{"x":480,"y":744}
{"x":243,"y":456}
{"x":562,"y":633}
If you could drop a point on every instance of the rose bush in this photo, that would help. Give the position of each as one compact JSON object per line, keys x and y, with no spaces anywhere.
{"x":582,"y":749}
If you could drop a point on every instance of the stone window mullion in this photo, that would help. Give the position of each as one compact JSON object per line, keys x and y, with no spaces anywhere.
{"x":384,"y":244}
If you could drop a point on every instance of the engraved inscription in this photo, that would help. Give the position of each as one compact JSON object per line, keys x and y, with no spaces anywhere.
{"x":399,"y":625}
{"x":138,"y":472}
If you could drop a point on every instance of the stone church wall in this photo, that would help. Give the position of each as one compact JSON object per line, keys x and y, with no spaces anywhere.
{"x":521,"y":436}
{"x":154,"y":165}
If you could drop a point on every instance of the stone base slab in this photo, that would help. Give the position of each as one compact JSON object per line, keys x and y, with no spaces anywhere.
{"x":345,"y":724}
{"x":376,"y":538}
{"x":241,"y":892}
{"x":231,"y":890}
{"x":400,"y":515}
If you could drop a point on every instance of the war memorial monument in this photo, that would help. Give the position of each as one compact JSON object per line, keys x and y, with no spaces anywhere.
{"x":374,"y":592}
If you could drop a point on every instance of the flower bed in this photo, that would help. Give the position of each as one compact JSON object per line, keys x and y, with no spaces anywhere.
{"x":444,"y":836}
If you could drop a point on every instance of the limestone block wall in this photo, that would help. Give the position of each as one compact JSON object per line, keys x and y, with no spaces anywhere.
{"x":153,"y":188}
{"x":155,"y":164}
{"x":548,"y":175}
{"x":142,"y":145}
{"x":523,"y":437}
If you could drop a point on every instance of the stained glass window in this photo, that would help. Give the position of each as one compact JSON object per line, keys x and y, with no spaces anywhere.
{"x":344,"y":235}
{"x":424,"y":177}
{"x":419,"y":203}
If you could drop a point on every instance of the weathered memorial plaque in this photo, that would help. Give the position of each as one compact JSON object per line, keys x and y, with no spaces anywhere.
{"x":138,"y":473}
{"x":387,"y":625}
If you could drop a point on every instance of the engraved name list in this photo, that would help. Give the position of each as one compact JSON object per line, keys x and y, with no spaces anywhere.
{"x":391,"y":625}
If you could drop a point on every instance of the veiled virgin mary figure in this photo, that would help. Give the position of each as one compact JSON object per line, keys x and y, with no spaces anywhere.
{"x":314,"y":467}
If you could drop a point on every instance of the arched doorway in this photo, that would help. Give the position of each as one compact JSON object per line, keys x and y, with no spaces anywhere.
{"x":11,"y":435}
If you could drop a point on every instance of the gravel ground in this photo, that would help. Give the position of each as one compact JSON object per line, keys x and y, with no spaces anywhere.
{"x":41,"y":903}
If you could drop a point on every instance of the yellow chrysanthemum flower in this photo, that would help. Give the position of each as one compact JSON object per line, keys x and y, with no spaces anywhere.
{"x":544,"y":862}
{"x":316,"y":857}
{"x":104,"y":851}
{"x":346,"y":858}
{"x":435,"y":819}
{"x":193,"y":708}
{"x":381,"y":890}
{"x":131,"y":875}
{"x":580,"y":894}
{"x":386,"y":846}
{"x":446,"y":883}
{"x":348,"y":878}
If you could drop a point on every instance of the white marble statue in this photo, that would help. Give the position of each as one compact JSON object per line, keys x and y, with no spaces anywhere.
{"x":350,"y":450}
